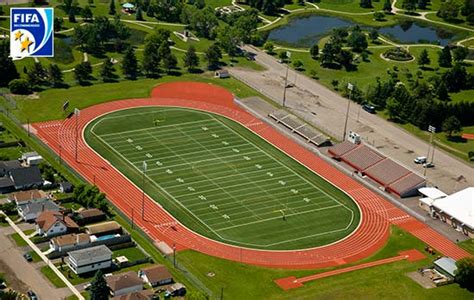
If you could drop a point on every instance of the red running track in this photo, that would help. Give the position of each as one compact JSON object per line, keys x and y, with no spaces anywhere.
{"x":376,"y":212}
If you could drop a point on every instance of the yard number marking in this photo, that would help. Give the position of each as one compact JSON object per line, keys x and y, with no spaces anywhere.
{"x":130,"y":140}
{"x":281,"y":182}
{"x":270,"y":174}
{"x":258,"y":166}
{"x":169,"y":171}
{"x":235,"y":150}
{"x":204,"y":128}
{"x":159,"y":163}
{"x":148,"y":155}
{"x":306,"y":199}
{"x":246,"y":157}
{"x":202,"y":197}
{"x":213,"y":206}
{"x":225,"y":216}
{"x":225,"y":143}
{"x":214,"y":135}
{"x":180,"y":180}
{"x":139,"y":148}
{"x":294,"y":191}
{"x":191,"y":189}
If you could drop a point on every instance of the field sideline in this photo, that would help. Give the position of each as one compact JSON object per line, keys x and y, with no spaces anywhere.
{"x":221,"y":180}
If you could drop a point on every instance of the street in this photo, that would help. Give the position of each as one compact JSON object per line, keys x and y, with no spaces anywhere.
{"x":326,"y":109}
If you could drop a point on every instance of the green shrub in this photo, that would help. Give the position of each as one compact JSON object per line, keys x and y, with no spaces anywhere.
{"x":19,"y":86}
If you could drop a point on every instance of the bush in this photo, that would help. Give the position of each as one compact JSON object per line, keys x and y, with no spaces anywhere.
{"x":19,"y":86}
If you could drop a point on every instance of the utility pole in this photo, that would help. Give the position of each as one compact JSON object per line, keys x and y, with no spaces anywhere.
{"x":143,"y":189}
{"x":28,"y":125}
{"x":60,"y":154}
{"x":432,"y":130}
{"x":174,"y":255}
{"x":133,"y":223}
{"x":350,"y":87}
{"x":76,"y":113}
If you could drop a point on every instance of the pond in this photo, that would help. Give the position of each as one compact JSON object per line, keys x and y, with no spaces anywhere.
{"x":305,"y":31}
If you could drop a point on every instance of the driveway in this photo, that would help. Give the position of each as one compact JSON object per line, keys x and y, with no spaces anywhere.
{"x":13,"y":263}
{"x":326,"y":110}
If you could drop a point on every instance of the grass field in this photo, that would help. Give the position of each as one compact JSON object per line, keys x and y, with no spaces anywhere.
{"x":223,"y":181}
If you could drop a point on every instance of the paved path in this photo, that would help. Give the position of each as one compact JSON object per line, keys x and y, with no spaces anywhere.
{"x":25,"y":271}
{"x":326,"y":109}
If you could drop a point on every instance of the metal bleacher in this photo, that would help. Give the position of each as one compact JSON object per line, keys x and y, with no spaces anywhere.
{"x":291,"y":122}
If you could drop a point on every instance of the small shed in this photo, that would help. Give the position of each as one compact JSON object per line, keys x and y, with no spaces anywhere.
{"x":222,"y":74}
{"x":446,"y":265}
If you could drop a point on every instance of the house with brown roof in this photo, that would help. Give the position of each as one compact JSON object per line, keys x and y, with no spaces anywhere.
{"x":110,"y":227}
{"x":92,"y":215}
{"x":124,"y":283}
{"x":69,"y":241}
{"x":142,"y":295}
{"x":31,"y":196}
{"x":156,"y":275}
{"x":50,"y":223}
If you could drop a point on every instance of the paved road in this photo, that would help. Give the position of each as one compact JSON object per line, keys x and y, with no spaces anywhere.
{"x":25,"y":271}
{"x":326,"y":109}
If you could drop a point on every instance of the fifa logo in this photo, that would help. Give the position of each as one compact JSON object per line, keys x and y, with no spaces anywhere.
{"x":31,"y":32}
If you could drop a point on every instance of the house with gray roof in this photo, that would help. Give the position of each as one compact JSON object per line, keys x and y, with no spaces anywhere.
{"x":30,"y":211}
{"x":89,"y":259}
{"x":26,"y":178}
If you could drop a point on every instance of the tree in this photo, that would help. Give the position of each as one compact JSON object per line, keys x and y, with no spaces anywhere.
{"x":298,"y":64}
{"x":387,"y":6}
{"x":282,"y":56}
{"x":191,"y":60}
{"x":449,"y":10}
{"x":373,"y":35}
{"x":470,"y":18}
{"x":82,"y":72}
{"x":314,"y":51}
{"x":422,"y":4}
{"x":169,"y":62}
{"x":55,"y":75}
{"x":213,"y":55}
{"x":130,"y":64}
{"x":460,"y":53}
{"x":19,"y":86}
{"x":451,"y":125}
{"x":99,"y":289}
{"x":107,"y":72}
{"x":357,"y":40}
{"x":269,"y":47}
{"x":7,"y":67}
{"x":86,"y":13}
{"x":36,"y":75}
{"x":467,"y":8}
{"x":58,"y":23}
{"x":424,"y":58}
{"x":442,"y":92}
{"x":139,"y":14}
{"x":112,"y":7}
{"x":72,"y":16}
{"x":366,"y":3}
{"x":379,"y":16}
{"x":409,"y":5}
{"x":393,"y":108}
{"x":456,"y":78}
{"x":151,"y":56}
{"x":444,"y":58}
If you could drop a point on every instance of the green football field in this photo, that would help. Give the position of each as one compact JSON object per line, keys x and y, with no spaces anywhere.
{"x":221,"y":180}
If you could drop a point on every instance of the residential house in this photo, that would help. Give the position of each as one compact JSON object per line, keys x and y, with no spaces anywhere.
{"x":51,"y":223}
{"x":87,"y":216}
{"x":24,"y":197}
{"x":27,"y":155}
{"x":6,"y":185}
{"x":30,"y":211}
{"x":104,"y":228}
{"x":26,"y":178}
{"x":89,"y":259}
{"x":142,"y":295}
{"x":7,"y":166}
{"x":69,"y":241}
{"x":124,"y":283}
{"x":177,"y":289}
{"x":156,"y":275}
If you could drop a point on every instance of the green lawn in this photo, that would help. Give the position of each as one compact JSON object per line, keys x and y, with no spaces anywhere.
{"x":29,"y":231}
{"x":219,"y":158}
{"x":241,"y":281}
{"x":34,"y":256}
{"x":71,"y":205}
{"x":467,"y":245}
{"x":132,"y":253}
{"x":20,"y":242}
{"x":52,"y":277}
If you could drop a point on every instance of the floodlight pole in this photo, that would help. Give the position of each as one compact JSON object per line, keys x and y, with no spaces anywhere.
{"x":350,"y":87}
{"x":77,"y":133}
{"x":286,"y":83}
{"x":432,"y":130}
{"x":174,"y":255}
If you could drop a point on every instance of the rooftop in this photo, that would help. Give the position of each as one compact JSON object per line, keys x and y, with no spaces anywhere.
{"x":37,"y":207}
{"x":459,"y":205}
{"x":447,"y":264}
{"x":342,"y":148}
{"x":71,"y":239}
{"x":92,"y":212}
{"x":157,"y":273}
{"x":26,"y":176}
{"x":23,"y":196}
{"x":89,"y":253}
{"x":123,"y":280}
{"x":142,"y":295}
{"x":48,"y":218}
{"x":432,"y":192}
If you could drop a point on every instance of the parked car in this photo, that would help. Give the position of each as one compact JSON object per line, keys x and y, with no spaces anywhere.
{"x":368,"y":108}
{"x":32,"y":295}
{"x":428,"y":165}
{"x":28,"y":257}
{"x":420,"y":160}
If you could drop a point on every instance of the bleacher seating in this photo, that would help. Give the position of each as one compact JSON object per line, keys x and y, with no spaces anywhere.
{"x":311,"y":135}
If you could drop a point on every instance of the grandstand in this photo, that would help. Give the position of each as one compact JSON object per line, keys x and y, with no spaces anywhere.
{"x":390,"y":175}
{"x":291,"y":122}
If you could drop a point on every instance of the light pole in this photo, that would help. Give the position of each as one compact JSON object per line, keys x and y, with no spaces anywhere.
{"x":432,"y":130}
{"x":174,"y":255}
{"x":284,"y":88}
{"x":76,"y":113}
{"x":143,"y":189}
{"x":350,"y":87}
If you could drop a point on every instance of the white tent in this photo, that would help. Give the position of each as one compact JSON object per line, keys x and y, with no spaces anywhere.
{"x":432,"y":193}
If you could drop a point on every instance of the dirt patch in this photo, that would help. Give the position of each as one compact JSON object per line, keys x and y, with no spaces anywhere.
{"x":424,"y":281}
{"x":12,"y":281}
